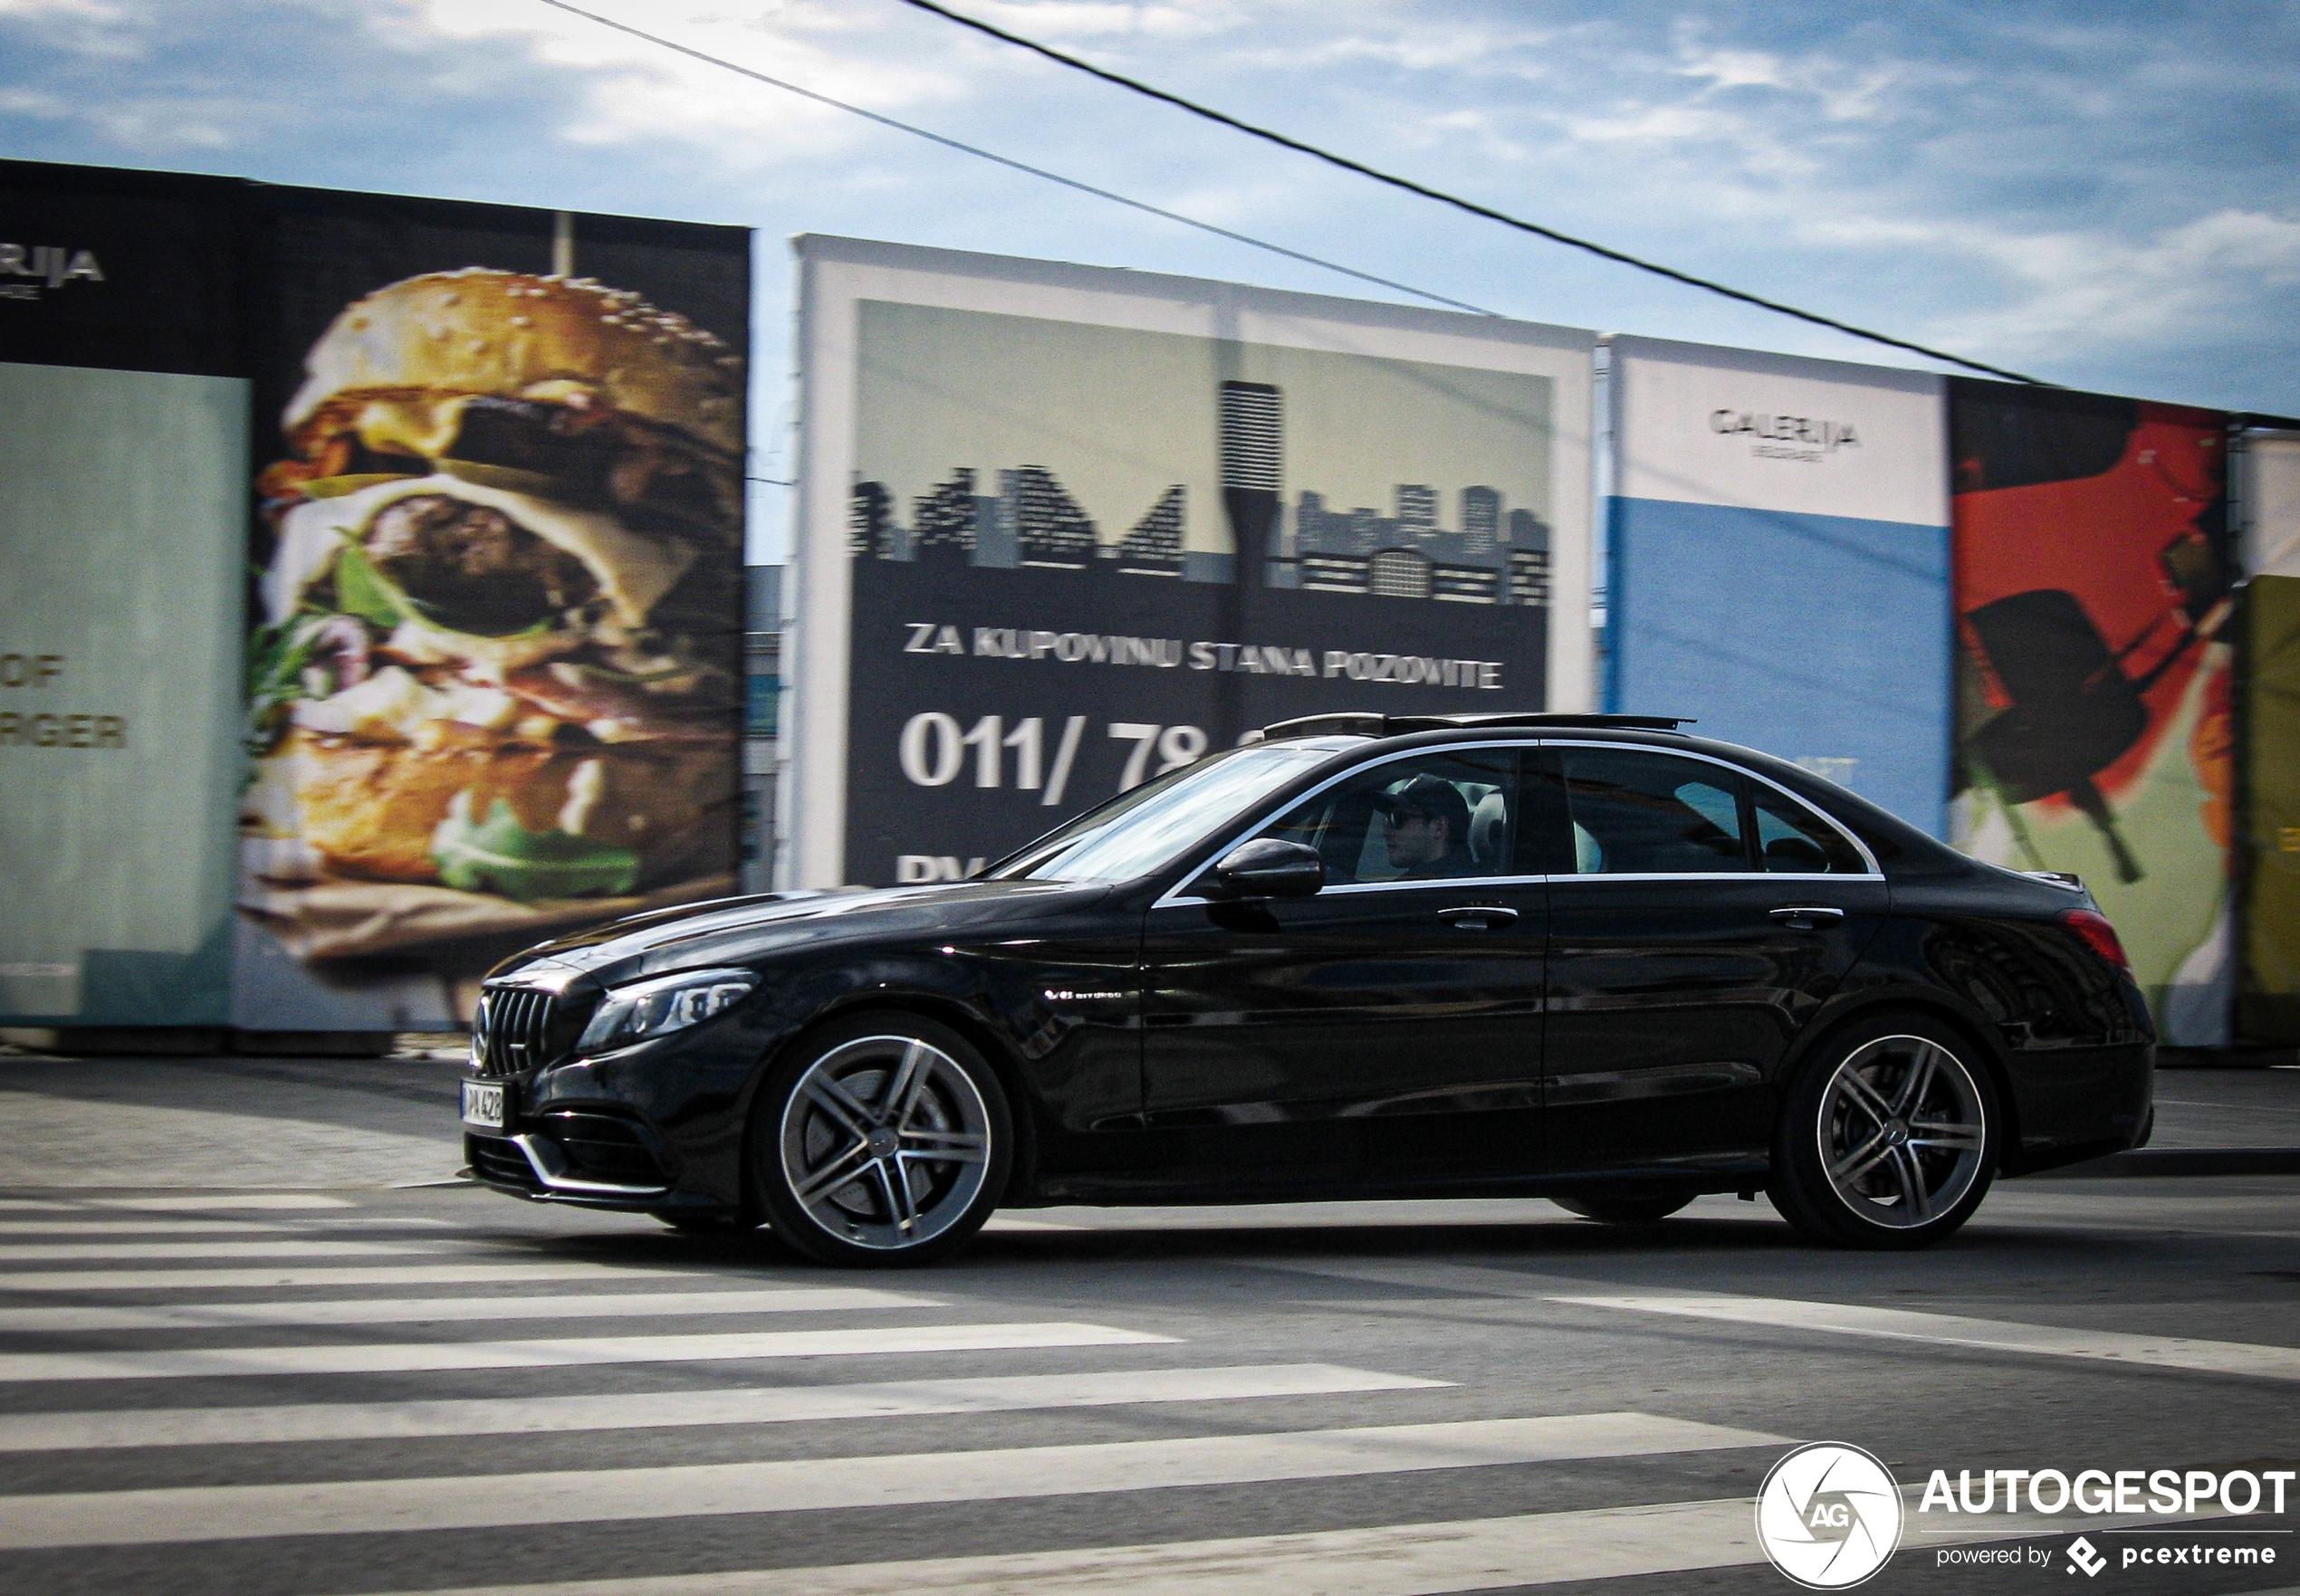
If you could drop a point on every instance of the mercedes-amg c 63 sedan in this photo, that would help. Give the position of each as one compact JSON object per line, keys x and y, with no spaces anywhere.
{"x":1587,"y":957}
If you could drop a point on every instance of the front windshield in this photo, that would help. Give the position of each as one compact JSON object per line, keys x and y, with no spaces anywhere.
{"x":1137,"y":832}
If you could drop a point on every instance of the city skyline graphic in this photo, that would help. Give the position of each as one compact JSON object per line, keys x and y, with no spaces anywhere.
{"x":995,"y":442}
{"x":1030,"y":522}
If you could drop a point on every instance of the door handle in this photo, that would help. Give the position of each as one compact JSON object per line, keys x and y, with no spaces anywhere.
{"x":1477,"y":916}
{"x":1808,"y":916}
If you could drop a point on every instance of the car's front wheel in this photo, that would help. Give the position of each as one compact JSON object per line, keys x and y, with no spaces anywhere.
{"x":883,"y":1139}
{"x":1890,"y":1136}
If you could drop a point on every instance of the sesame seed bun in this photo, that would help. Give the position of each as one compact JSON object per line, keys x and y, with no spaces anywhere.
{"x":509,"y":335}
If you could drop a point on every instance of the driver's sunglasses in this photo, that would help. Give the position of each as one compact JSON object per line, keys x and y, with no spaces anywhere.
{"x":1393,"y":818}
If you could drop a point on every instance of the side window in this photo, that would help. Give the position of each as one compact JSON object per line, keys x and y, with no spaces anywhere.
{"x":1434,"y":816}
{"x":1793,"y":840}
{"x":1640,"y":813}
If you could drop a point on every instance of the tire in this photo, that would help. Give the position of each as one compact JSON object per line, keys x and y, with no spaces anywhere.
{"x":917,"y":1115}
{"x":1856,"y":1164}
{"x":1622,"y":1207}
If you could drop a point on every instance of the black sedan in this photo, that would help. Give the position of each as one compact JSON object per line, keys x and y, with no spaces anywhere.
{"x":1583,"y":957}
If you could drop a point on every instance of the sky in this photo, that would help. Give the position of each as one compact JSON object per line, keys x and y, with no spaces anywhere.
{"x":2101,"y":194}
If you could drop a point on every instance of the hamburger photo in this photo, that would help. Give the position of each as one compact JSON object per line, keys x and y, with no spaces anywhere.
{"x":501,"y":614}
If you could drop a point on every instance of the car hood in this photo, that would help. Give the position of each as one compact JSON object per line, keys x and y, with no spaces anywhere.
{"x":739,"y":930}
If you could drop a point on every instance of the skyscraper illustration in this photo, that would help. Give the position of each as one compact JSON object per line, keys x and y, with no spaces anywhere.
{"x":1252,"y":432}
{"x":1153,"y":548}
{"x":1417,"y":506}
{"x":1480,"y":520}
{"x":867,"y":522}
{"x":1050,"y":530}
{"x":942,"y":522}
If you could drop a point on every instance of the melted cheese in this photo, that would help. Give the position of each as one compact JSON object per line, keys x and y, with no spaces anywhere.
{"x":633,"y":572}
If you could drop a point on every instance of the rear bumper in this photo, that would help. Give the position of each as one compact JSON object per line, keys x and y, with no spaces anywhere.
{"x":2075,"y":1103}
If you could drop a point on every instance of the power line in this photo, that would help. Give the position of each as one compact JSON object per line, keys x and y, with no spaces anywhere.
{"x":1471,"y":206}
{"x":948,"y":143}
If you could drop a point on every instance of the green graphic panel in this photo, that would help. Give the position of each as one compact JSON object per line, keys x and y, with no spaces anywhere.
{"x":123,"y":531}
{"x":2268,"y":1000}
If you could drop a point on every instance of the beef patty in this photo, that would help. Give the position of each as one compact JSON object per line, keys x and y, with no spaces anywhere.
{"x":473,"y":568}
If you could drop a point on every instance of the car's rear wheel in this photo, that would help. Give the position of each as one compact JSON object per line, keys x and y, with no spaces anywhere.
{"x":1890,"y":1136}
{"x":885,"y":1140}
{"x":1617,"y":1208}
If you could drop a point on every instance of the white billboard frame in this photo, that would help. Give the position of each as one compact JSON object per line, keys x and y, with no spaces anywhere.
{"x":836,"y":275}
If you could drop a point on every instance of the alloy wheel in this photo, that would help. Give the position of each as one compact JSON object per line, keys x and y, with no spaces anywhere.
{"x":885,"y":1142}
{"x":1903,"y":1131}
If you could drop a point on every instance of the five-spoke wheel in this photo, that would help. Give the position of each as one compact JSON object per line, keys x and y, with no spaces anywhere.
{"x":1889,"y":1138}
{"x":884,"y":1141}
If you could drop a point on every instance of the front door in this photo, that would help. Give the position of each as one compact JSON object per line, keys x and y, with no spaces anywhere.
{"x":1387,"y":1028}
{"x":1698,"y":917}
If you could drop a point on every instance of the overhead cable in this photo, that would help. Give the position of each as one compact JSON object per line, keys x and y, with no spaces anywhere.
{"x":948,"y":143}
{"x":1471,"y":206}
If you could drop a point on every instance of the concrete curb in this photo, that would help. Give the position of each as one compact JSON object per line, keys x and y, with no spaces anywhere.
{"x":2183,"y":1160}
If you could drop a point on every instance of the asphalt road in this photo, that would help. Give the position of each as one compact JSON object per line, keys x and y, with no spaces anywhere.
{"x":235,"y":1356}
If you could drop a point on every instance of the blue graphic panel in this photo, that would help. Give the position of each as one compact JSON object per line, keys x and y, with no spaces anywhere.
{"x":1822,"y":639}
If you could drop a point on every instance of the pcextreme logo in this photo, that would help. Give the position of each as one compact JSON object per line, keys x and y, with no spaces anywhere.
{"x":1829,"y":1515}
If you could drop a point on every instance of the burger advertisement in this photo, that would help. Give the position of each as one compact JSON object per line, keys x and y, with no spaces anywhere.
{"x":493,"y":668}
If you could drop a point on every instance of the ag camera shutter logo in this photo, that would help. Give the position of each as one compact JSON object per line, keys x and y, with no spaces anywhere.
{"x":1829,"y":1515}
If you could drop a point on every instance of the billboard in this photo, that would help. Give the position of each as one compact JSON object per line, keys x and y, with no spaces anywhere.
{"x":2268,"y":991}
{"x":2094,"y":733}
{"x":494,"y":669}
{"x":123,"y":498}
{"x":2269,"y":473}
{"x":1779,"y":561}
{"x":1062,"y":528}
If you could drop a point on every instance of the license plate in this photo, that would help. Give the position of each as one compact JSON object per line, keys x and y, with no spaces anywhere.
{"x":483,"y":1105}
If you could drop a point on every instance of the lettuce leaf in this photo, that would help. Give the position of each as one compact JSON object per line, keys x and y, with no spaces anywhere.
{"x":500,"y":854}
{"x":364,"y":591}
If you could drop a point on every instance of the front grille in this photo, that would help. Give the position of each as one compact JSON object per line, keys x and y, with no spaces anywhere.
{"x":602,"y":1147}
{"x":511,"y":1031}
{"x":499,"y":1163}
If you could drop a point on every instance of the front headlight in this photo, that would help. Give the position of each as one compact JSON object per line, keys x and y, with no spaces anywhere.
{"x":646,"y":1010}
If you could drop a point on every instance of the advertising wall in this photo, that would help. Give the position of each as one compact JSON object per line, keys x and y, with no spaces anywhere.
{"x":1063,"y":528}
{"x":495,"y":676}
{"x":123,"y":508}
{"x":1779,"y":553}
{"x":2093,"y":719}
{"x":2268,"y":994}
{"x":2269,"y":472}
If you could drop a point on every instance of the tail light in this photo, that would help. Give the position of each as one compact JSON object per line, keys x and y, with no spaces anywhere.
{"x":2095,"y":932}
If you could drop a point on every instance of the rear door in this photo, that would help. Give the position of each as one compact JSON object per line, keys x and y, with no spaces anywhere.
{"x":1698,"y":916}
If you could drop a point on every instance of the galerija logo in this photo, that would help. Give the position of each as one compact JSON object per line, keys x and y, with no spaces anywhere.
{"x":1807,"y":431}
{"x":1829,"y":1515}
{"x":55,"y":265}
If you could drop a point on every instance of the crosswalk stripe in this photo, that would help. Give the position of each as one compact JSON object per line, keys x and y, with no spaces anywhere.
{"x":412,"y":1357}
{"x":321,"y":1225}
{"x":1391,"y":1560}
{"x":213,"y":1513}
{"x":346,"y":1421}
{"x":127,"y":1251}
{"x":2163,"y":1352}
{"x":282,"y":1279}
{"x":793,"y":1299}
{"x":260,"y":1199}
{"x":1388,"y":1560}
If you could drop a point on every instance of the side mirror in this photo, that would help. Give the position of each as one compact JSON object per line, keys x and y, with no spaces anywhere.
{"x":1268,"y":868}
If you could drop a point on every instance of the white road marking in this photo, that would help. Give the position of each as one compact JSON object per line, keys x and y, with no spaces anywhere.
{"x":2161,"y":1352}
{"x":188,"y":1251}
{"x":269,"y":1200}
{"x":796,"y":1299}
{"x":1000,"y":1222}
{"x":281,"y":1279}
{"x":1391,"y":1560}
{"x":214,"y":1512}
{"x":346,"y":1421}
{"x":569,"y":1351}
{"x":28,"y":1205}
{"x":255,"y":1227}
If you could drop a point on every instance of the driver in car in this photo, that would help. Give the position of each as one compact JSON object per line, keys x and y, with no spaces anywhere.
{"x":1427,"y":826}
